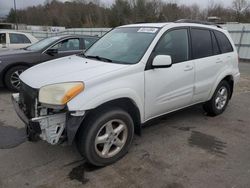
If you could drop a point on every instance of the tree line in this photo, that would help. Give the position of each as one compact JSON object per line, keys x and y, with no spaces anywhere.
{"x":85,"y":13}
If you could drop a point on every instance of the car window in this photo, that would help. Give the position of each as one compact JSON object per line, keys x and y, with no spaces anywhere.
{"x":18,"y":38}
{"x":201,"y":43}
{"x":89,"y":41}
{"x":175,"y":44}
{"x":2,"y":38}
{"x":43,"y":43}
{"x":223,"y":41}
{"x":216,"y":49}
{"x":67,"y":45}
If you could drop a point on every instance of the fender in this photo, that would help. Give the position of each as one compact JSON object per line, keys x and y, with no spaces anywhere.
{"x":106,"y":97}
{"x":221,"y":76}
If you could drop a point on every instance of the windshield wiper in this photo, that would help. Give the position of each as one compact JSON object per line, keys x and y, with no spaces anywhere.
{"x":99,"y":58}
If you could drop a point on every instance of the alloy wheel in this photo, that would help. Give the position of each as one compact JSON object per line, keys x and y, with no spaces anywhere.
{"x":111,"y":138}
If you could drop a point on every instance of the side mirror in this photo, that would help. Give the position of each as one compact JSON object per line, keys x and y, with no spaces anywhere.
{"x":52,"y":51}
{"x":162,"y":61}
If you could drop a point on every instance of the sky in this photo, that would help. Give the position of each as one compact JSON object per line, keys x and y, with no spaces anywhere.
{"x":6,"y":5}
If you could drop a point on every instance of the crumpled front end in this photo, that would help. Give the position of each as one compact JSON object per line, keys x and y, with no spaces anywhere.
{"x":52,"y":124}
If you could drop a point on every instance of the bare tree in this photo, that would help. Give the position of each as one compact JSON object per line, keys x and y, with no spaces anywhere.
{"x":240,"y":6}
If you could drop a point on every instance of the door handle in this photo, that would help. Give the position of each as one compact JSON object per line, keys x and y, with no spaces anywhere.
{"x":219,"y":61}
{"x":188,"y":68}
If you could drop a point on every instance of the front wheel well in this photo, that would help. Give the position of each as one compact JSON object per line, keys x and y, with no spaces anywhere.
{"x":126,"y":104}
{"x":230,"y":81}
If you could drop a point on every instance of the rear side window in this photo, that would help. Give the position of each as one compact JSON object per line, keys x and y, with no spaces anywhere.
{"x":18,"y":38}
{"x":175,"y":44}
{"x":216,"y":49}
{"x":224,"y":43}
{"x":89,"y":41}
{"x":201,"y":43}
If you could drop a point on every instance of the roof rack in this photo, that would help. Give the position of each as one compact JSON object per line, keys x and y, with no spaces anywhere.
{"x":197,"y":22}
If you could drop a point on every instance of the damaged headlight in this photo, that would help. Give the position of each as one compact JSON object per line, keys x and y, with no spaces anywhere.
{"x":61,"y":93}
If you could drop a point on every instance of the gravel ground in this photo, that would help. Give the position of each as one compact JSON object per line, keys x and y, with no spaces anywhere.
{"x":185,"y":149}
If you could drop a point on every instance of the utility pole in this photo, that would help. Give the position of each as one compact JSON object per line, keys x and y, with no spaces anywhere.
{"x":15,"y":15}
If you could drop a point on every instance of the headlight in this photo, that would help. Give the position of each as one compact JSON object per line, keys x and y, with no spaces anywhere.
{"x":60,"y":94}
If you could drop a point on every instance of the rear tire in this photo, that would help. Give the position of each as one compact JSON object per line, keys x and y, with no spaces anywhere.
{"x":11,"y":78}
{"x":105,"y":136}
{"x":218,"y":103}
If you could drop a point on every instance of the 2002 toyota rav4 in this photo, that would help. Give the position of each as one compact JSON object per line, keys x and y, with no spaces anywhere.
{"x":131,"y":75}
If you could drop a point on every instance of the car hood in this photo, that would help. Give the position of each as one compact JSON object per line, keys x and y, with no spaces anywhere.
{"x":67,"y":69}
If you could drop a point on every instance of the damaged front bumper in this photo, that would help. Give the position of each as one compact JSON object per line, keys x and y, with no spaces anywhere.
{"x":54,"y":128}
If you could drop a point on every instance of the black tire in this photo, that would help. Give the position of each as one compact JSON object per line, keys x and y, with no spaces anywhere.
{"x":8,"y":78}
{"x":93,"y":126}
{"x":212,"y":107}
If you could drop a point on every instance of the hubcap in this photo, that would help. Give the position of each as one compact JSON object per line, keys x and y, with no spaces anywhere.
{"x":14,"y":79}
{"x":221,"y":98}
{"x":111,"y":138}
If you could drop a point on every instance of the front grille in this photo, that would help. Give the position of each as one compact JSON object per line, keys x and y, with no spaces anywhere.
{"x":28,"y":97}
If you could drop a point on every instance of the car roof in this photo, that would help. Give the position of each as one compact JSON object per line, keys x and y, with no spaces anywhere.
{"x":11,"y":31}
{"x":174,"y":24}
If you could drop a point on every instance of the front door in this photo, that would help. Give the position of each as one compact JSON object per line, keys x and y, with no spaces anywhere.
{"x":167,"y":89}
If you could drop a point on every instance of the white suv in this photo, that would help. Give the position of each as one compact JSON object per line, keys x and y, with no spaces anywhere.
{"x":131,"y":75}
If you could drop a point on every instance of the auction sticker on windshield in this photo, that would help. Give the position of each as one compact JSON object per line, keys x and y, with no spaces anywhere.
{"x":147,"y":30}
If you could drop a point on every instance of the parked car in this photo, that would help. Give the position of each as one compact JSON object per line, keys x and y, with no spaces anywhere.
{"x":14,"y":62}
{"x":131,"y":75}
{"x":15,"y":40}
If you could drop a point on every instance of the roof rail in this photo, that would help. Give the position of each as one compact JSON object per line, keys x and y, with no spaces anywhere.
{"x":197,"y":22}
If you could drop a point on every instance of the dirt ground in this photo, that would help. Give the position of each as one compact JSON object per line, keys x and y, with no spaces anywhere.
{"x":186,"y":149}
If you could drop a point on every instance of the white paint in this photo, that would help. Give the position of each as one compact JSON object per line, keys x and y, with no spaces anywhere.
{"x":10,"y":45}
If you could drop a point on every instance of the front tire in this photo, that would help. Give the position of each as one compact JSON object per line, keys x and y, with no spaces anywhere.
{"x":105,"y":136}
{"x":11,"y":78}
{"x":218,"y":103}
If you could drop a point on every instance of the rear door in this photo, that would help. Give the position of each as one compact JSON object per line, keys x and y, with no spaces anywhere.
{"x":208,"y":62}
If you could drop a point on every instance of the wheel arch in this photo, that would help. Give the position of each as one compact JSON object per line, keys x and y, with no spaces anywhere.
{"x":230,"y":80}
{"x":227,"y":77}
{"x":126,"y":104}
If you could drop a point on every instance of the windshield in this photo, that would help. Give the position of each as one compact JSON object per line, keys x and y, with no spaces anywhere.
{"x":42,"y":44}
{"x":123,"y":45}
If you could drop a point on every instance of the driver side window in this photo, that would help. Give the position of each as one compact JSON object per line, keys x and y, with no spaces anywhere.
{"x":67,"y":45}
{"x":175,"y":44}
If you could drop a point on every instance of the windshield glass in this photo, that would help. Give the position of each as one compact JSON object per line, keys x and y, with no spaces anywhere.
{"x":42,"y":44}
{"x":123,"y":45}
